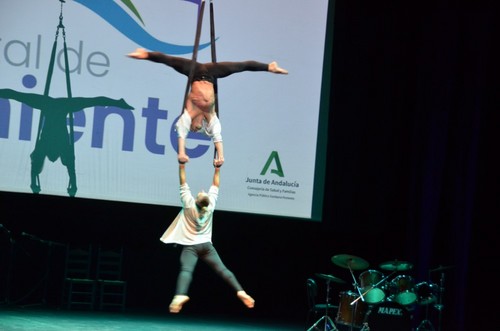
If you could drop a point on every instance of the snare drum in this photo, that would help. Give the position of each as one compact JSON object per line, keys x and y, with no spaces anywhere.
{"x":351,"y":314}
{"x":403,"y":290}
{"x":368,"y":280}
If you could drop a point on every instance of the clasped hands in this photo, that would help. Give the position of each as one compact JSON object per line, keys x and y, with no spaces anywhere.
{"x":182,"y":159}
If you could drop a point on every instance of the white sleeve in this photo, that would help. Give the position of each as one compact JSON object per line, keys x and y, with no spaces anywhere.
{"x":183,"y":125}
{"x":215,"y":129}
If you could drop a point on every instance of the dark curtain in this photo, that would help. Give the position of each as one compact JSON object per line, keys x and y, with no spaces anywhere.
{"x":413,"y":142}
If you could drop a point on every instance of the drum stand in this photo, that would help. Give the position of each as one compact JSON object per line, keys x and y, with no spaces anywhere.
{"x":361,"y":296}
{"x":426,"y":324}
{"x":353,"y":262}
{"x":439,"y":306}
{"x":8,"y":276}
{"x":328,"y":323}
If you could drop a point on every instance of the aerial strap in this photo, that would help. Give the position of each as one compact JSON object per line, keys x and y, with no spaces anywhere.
{"x":68,"y":85}
{"x":50,"y":72}
{"x":195,"y":51}
{"x":214,"y":59}
{"x":60,"y":26}
{"x":71,"y":141}
{"x":195,"y":55}
{"x":214,"y":56}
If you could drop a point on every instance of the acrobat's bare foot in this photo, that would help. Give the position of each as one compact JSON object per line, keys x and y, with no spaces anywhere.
{"x":274,"y":68}
{"x":246,"y":299}
{"x":139,"y":53}
{"x":177,"y":302}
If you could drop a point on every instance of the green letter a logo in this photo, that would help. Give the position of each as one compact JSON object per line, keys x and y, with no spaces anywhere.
{"x":278,"y":171}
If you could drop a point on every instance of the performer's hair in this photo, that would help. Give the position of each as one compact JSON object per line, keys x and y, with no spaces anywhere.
{"x":202,"y":201}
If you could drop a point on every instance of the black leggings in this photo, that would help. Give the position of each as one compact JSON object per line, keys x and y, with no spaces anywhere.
{"x":210,"y":69}
{"x":206,"y":252}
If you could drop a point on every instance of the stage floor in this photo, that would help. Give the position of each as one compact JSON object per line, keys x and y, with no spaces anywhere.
{"x":37,"y":319}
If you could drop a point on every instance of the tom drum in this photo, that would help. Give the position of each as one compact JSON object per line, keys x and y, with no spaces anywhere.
{"x":426,"y":293}
{"x":368,"y":280}
{"x":403,"y":290}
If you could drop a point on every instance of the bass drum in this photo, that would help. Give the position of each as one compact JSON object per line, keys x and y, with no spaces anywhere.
{"x":389,"y":316}
{"x":353,"y":315}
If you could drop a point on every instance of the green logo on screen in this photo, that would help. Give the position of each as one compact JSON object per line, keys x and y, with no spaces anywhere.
{"x":273,"y":159}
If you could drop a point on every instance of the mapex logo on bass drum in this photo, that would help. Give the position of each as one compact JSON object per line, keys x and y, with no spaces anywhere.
{"x":389,"y":316}
{"x":390,"y":311}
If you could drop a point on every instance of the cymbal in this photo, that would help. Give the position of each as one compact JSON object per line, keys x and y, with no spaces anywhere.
{"x":350,"y":262}
{"x":396,"y":265}
{"x":331,"y":278}
{"x":441,"y":268}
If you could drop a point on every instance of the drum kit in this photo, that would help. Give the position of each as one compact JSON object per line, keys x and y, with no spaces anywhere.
{"x":381,"y":300}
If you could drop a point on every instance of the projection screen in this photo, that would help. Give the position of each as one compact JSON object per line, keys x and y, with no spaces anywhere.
{"x":273,"y":126}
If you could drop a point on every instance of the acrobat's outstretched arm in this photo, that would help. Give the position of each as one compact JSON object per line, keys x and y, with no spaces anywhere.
{"x":33,"y":100}
{"x":182,"y":174}
{"x":216,"y":178}
{"x":41,"y":102}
